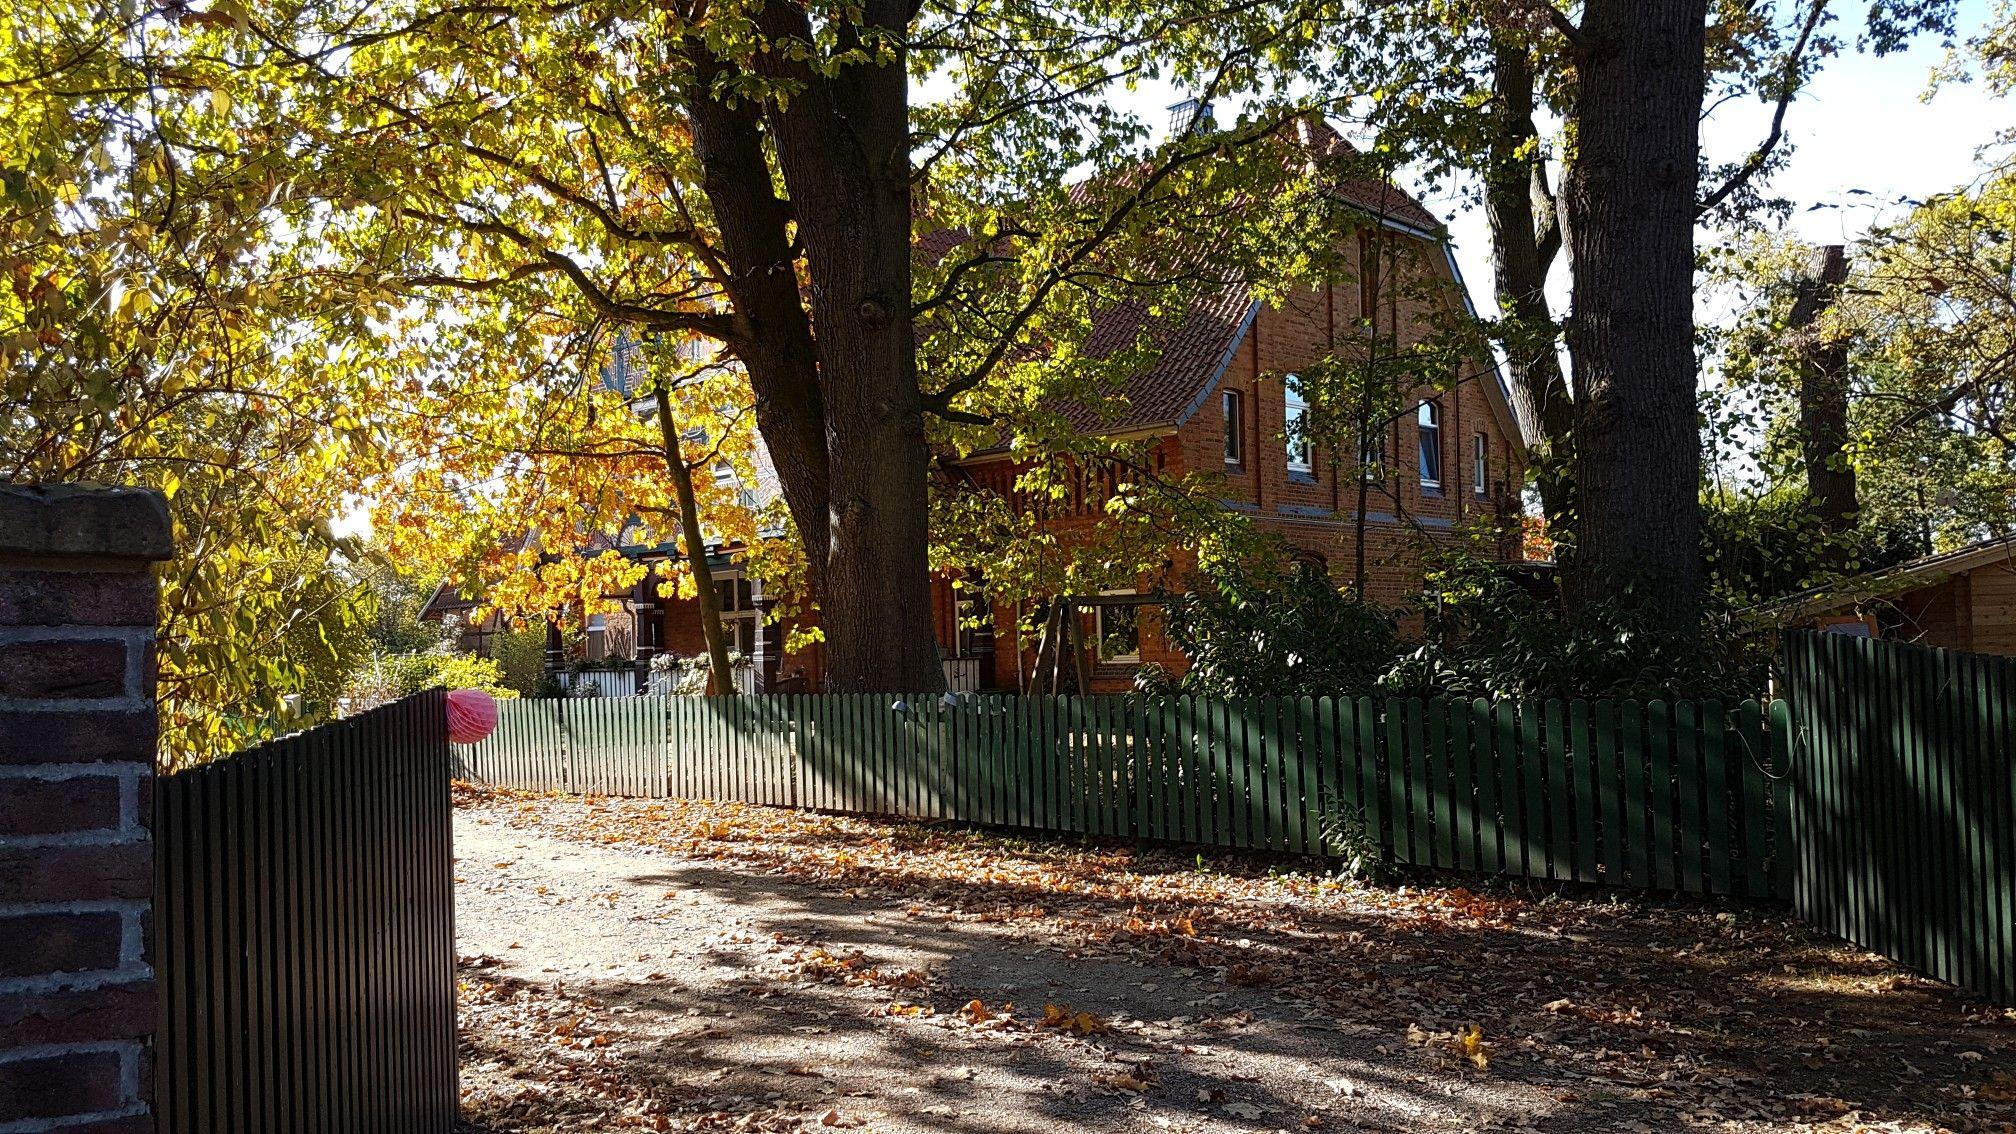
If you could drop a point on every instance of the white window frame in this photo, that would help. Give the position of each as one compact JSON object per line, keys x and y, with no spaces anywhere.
{"x":1427,"y":420}
{"x":1294,"y":409}
{"x":1231,"y":408}
{"x":1099,"y":632}
{"x":1480,"y":477}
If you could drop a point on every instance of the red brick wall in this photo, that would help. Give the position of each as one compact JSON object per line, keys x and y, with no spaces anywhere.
{"x":1317,"y":512}
{"x":77,"y":731}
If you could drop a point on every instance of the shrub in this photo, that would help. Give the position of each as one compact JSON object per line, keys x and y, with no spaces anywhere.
{"x":1252,"y":632}
{"x":392,"y":676}
{"x":1489,"y":637}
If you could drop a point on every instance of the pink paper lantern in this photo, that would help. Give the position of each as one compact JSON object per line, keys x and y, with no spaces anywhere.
{"x":472,"y":715}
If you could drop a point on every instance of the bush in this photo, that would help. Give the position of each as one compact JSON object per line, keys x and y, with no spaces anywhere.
{"x":392,"y":676}
{"x":1250,"y":632}
{"x":1489,"y":637}
{"x":521,"y":657}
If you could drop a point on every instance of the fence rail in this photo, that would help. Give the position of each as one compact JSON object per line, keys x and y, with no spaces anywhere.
{"x":1906,"y":808}
{"x":1674,"y":796}
{"x":304,"y":917}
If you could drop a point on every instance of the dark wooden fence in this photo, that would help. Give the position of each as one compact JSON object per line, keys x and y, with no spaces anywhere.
{"x":1674,"y":796}
{"x":305,"y":926}
{"x":1905,"y":807}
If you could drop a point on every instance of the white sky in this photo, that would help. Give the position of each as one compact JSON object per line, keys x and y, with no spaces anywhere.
{"x":1863,"y":123}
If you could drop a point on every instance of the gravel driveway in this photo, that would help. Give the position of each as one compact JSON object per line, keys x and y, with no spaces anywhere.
{"x":609,"y":986}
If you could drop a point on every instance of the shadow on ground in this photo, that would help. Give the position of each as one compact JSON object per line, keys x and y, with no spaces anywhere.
{"x":803,"y":978}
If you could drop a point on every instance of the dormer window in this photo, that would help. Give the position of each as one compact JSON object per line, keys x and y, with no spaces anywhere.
{"x":1235,"y":429}
{"x":1430,"y":422}
{"x":1299,"y":449}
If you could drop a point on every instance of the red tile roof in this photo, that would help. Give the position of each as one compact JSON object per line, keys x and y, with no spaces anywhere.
{"x":1193,"y":348}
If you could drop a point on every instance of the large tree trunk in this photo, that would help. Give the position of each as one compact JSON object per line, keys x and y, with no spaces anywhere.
{"x":1823,"y":402}
{"x":843,"y":144}
{"x":1525,"y":239}
{"x":774,"y":335}
{"x":1631,"y":192}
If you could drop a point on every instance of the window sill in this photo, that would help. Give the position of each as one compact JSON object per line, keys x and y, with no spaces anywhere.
{"x":1235,"y":468}
{"x":1298,"y":476}
{"x":1432,"y":490}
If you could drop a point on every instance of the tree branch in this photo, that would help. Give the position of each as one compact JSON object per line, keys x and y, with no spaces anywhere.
{"x":1790,"y":87}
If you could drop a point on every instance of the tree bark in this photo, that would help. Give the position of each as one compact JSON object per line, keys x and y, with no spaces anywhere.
{"x":1631,"y":196}
{"x":1823,"y":402}
{"x":723,"y":672}
{"x":775,"y":336}
{"x":843,"y":146}
{"x":1525,"y":238}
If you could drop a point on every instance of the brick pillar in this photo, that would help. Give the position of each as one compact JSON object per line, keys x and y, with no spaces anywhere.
{"x":77,"y":732}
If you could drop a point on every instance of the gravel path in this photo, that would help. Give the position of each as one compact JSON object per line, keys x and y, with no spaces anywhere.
{"x":714,"y":993}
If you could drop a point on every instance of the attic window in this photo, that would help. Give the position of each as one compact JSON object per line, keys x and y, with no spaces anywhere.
{"x":1479,"y":474}
{"x":1430,"y":419}
{"x":1297,"y":433}
{"x":1235,"y":429}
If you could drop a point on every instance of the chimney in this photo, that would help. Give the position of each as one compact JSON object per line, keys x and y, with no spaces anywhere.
{"x":1183,"y":114}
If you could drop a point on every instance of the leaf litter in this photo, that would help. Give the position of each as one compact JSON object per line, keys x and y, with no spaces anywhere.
{"x":1625,"y":1012}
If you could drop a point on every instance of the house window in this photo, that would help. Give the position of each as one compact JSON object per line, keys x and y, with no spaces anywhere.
{"x":1235,"y":429}
{"x":1479,"y":476}
{"x":1430,"y":418}
{"x":1298,"y":437}
{"x":738,"y":614}
{"x":1117,"y":630}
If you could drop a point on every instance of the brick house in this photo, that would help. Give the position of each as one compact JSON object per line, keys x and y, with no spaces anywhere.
{"x":1219,"y":400}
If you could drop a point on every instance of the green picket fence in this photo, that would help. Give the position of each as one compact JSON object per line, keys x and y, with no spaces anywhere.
{"x":1685,"y":796}
{"x":1905,"y":812}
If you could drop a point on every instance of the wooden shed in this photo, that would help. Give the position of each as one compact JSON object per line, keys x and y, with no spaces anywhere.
{"x":1963,"y":599}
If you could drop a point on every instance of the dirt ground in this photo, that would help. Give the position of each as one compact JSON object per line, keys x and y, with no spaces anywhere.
{"x":655,"y":965}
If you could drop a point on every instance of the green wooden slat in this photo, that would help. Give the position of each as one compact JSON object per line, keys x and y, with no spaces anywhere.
{"x":1262,"y":775}
{"x":1997,"y":695}
{"x":1746,"y":755}
{"x":1245,"y":754}
{"x":1190,"y":801}
{"x":1659,"y":773}
{"x":1305,"y":778}
{"x":1969,"y":795}
{"x":1135,"y":769}
{"x":1721,"y":798}
{"x":1941,"y":869}
{"x":1462,"y":785}
{"x":1615,"y":869}
{"x":1585,"y":779}
{"x":1274,"y":773}
{"x":1335,"y":728}
{"x":1440,"y":799}
{"x":1560,"y":792}
{"x":1255,"y":762}
{"x":1495,"y":732}
{"x":1098,"y":766}
{"x":1420,"y":795}
{"x":1367,"y":771}
{"x":1781,"y":730}
{"x":1687,"y":796}
{"x":1056,"y":729}
{"x":1635,"y":823}
{"x":1532,"y":764}
{"x":1399,"y":820}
